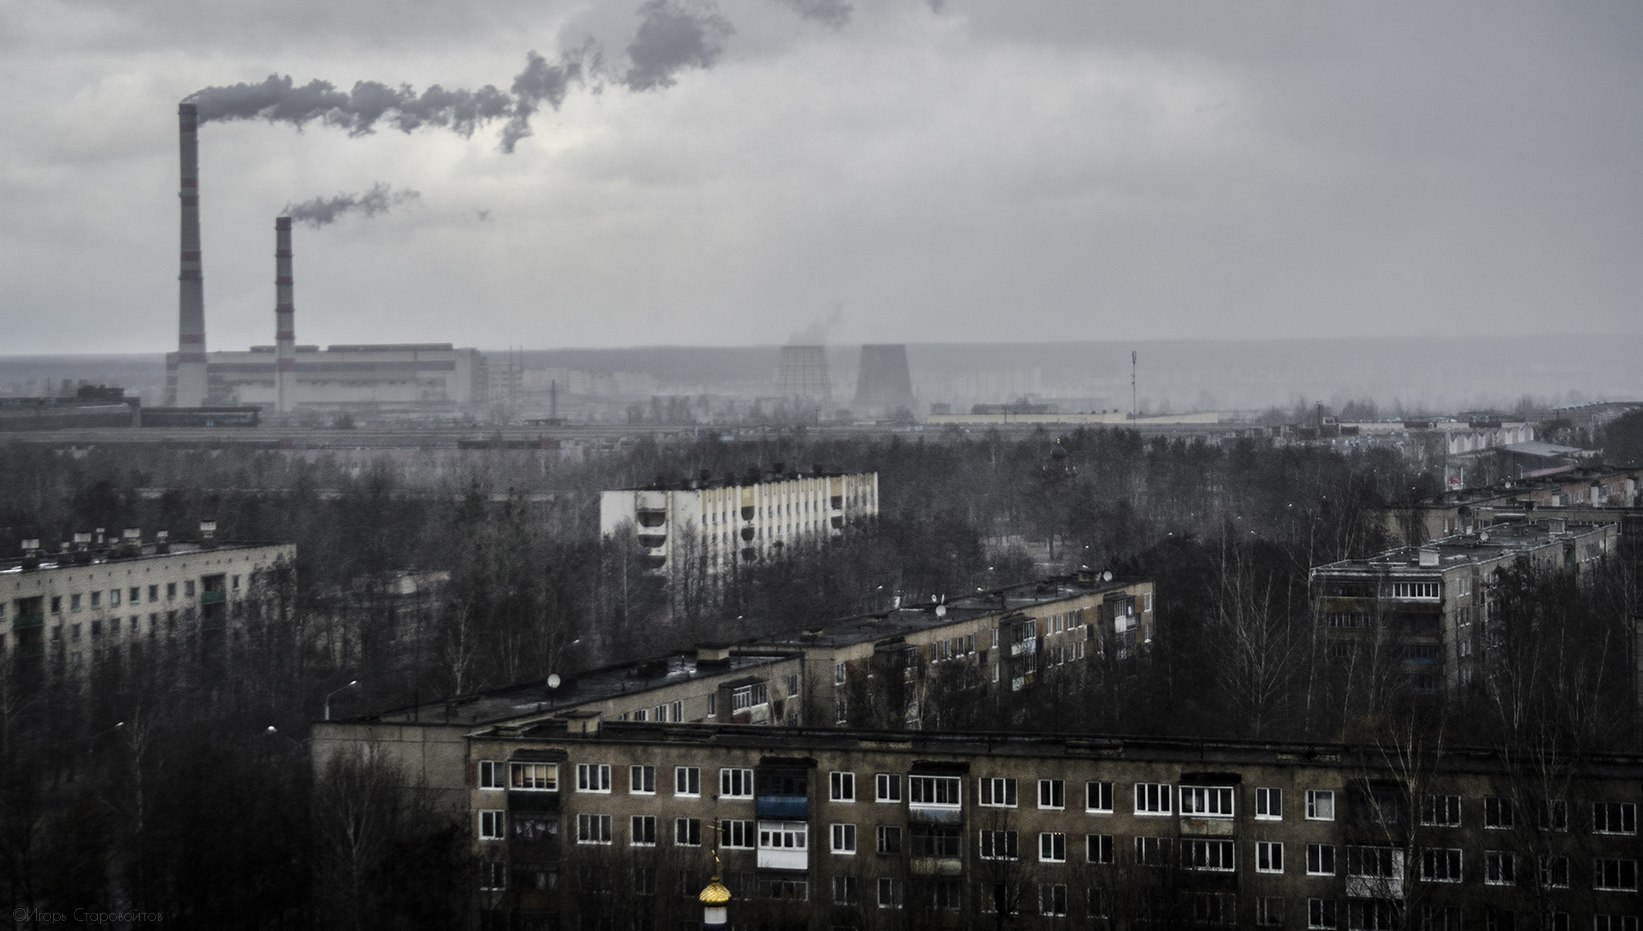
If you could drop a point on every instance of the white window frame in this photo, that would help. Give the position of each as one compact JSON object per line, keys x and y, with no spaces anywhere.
{"x":1052,"y":847}
{"x":737,"y":834}
{"x":593,"y":829}
{"x":1214,"y":855}
{"x":1441,"y":811}
{"x":687,"y":782}
{"x":735,"y":782}
{"x":1208,"y":801}
{"x":1614,"y":818}
{"x":1269,"y":804}
{"x":841,"y":786}
{"x":1100,"y":791}
{"x":887,"y":787}
{"x":642,"y":831}
{"x":1499,"y":868}
{"x":844,"y":838}
{"x":683,"y":835}
{"x":1316,"y":857}
{"x":493,"y":824}
{"x":987,"y":844}
{"x":1269,"y":856}
{"x":1098,"y":848}
{"x":1153,"y":799}
{"x":1624,"y":868}
{"x":533,"y":777}
{"x":995,"y":792}
{"x":1316,"y":801}
{"x":593,"y":777}
{"x":934,"y":789}
{"x":1052,"y":795}
{"x":642,"y":780}
{"x":492,"y":776}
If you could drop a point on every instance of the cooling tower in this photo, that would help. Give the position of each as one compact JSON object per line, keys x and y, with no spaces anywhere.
{"x":883,"y":383}
{"x":192,"y":381}
{"x":285,"y":327}
{"x":802,"y":374}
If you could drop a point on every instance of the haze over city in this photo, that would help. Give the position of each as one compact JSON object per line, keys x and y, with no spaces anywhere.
{"x":749,"y":172}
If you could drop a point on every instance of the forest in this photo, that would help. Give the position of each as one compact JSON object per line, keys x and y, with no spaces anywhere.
{"x":167,"y":784}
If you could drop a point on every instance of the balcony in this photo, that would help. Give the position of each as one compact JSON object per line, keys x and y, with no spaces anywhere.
{"x":789,"y":807}
{"x":26,"y":620}
{"x":651,"y":518}
{"x":533,"y":801}
{"x":213,"y":597}
{"x":652,"y":541}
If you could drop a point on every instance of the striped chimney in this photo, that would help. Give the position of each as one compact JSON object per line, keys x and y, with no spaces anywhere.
{"x":285,"y":327}
{"x":191,"y":373}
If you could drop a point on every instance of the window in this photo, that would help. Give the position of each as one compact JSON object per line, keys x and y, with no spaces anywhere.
{"x":838,"y":673}
{"x":792,"y":890}
{"x":1440,"y":864}
{"x":1372,"y":861}
{"x":737,"y":834}
{"x":1615,"y":922}
{"x":644,"y":880}
{"x":533,"y":777}
{"x":1320,"y":913}
{"x":1499,"y":868}
{"x":1201,"y":854}
{"x":1320,"y":859}
{"x":844,"y":838}
{"x":841,"y":712}
{"x":171,"y":591}
{"x":687,"y":832}
{"x":490,"y":774}
{"x":735,"y":783}
{"x":644,"y":830}
{"x":687,"y":781}
{"x":844,"y":890}
{"x":841,"y":787}
{"x":889,"y":838}
{"x":1554,"y":872}
{"x":996,"y":792}
{"x":1554,"y":815}
{"x":1441,"y":811}
{"x":1372,"y":914}
{"x":153,"y":593}
{"x":887,"y":787}
{"x":1614,"y":817}
{"x":593,"y":829}
{"x":1098,"y":797}
{"x":1098,"y":848}
{"x":1152,"y":851}
{"x":1052,"y":848}
{"x":889,"y":892}
{"x":1614,"y":874}
{"x":1052,"y":899}
{"x":1269,"y":804}
{"x":1052,"y":793}
{"x":784,"y":835}
{"x":934,"y":791}
{"x":493,"y":875}
{"x":74,"y":602}
{"x":1320,"y":805}
{"x":999,"y":845}
{"x":134,"y":595}
{"x":642,"y":780}
{"x":1269,"y":911}
{"x":492,"y":825}
{"x":1213,"y":908}
{"x":1269,"y":857}
{"x":1497,"y":812}
{"x":1152,"y":798}
{"x":593,"y":777}
{"x":713,"y":704}
{"x":1206,"y":801}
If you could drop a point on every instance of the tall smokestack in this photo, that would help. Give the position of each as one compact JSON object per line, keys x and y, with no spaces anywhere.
{"x":191,"y":374}
{"x":285,"y":326}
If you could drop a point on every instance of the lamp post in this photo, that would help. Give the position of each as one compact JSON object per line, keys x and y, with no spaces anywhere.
{"x":329,"y":695}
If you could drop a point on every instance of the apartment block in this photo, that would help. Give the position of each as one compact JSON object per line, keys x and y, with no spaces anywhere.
{"x":1432,"y":605}
{"x":98,"y":597}
{"x":710,"y":524}
{"x":578,"y":823}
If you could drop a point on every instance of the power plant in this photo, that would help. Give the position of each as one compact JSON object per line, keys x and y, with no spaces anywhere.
{"x":883,"y":383}
{"x":801,"y":375}
{"x":425,"y":378}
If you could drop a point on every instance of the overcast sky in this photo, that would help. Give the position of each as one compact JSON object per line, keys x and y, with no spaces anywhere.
{"x":748,"y":171}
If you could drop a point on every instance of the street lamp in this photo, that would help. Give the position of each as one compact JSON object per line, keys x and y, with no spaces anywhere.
{"x":273,"y":731}
{"x":329,"y":695}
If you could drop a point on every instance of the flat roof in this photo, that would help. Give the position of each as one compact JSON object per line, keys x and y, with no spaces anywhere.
{"x":1492,"y":543}
{"x":744,"y":480}
{"x":107,"y":554}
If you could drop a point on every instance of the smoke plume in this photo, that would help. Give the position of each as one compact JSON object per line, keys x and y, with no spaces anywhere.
{"x":674,"y":35}
{"x":835,"y":13}
{"x":542,"y":82}
{"x":326,"y":210}
{"x":818,"y":330}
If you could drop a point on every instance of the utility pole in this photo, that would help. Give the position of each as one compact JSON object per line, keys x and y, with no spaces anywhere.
{"x":1133,"y":411}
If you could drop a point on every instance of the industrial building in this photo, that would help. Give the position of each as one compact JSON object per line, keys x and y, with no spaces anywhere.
{"x":101,"y":596}
{"x":1464,"y":510}
{"x":709,"y":525}
{"x":884,"y":385}
{"x":1427,"y":609}
{"x":802,"y":378}
{"x":420,"y":378}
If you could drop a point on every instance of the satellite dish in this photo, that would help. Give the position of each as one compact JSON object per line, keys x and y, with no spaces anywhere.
{"x":1106,"y":576}
{"x":553,"y":680}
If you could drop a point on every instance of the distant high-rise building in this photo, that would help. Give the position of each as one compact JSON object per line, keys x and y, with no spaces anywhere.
{"x":802,"y":375}
{"x":883,"y":383}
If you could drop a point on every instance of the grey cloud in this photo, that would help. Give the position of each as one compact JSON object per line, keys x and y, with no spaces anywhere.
{"x":325,"y":210}
{"x":674,"y":35}
{"x":543,"y":82}
{"x":835,"y":13}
